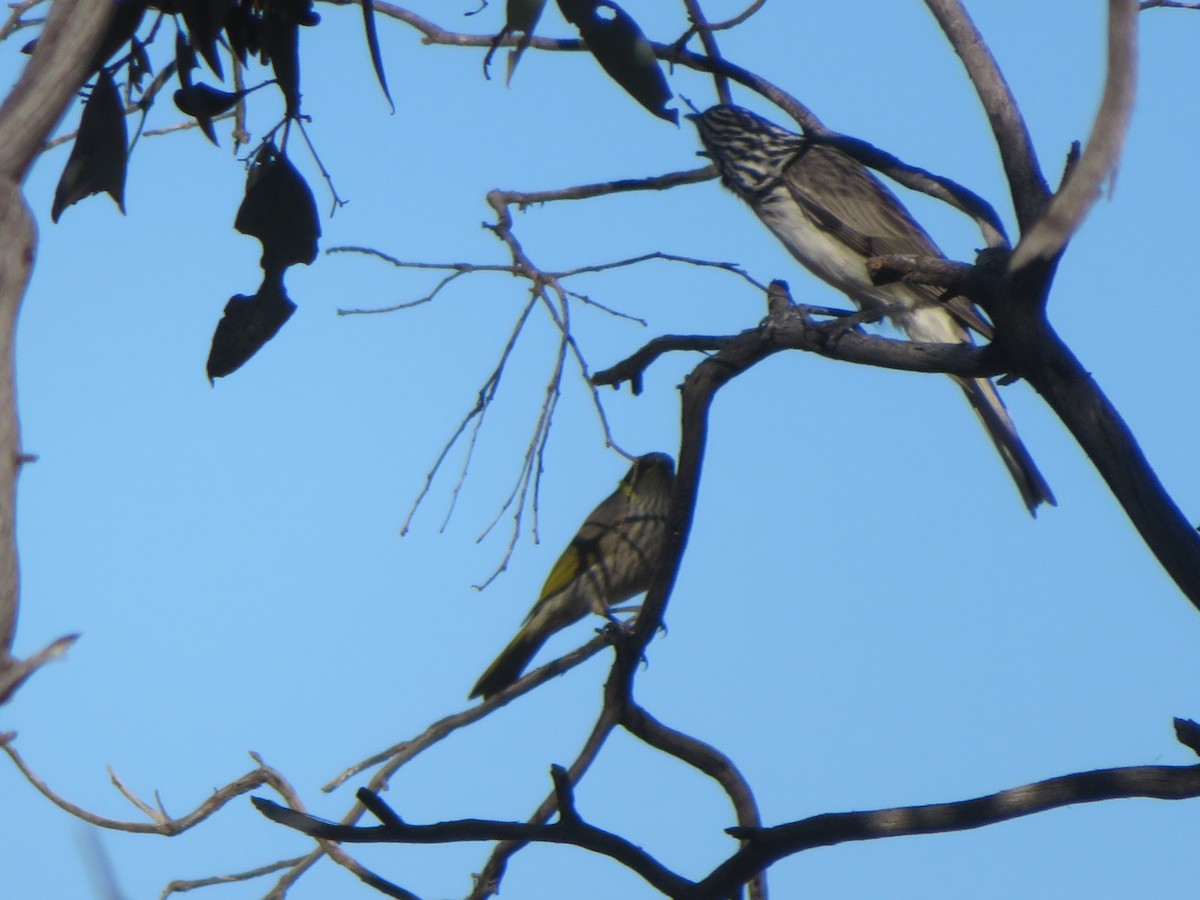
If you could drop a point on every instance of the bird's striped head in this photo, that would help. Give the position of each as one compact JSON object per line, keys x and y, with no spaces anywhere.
{"x":749,"y":151}
{"x":652,"y":474}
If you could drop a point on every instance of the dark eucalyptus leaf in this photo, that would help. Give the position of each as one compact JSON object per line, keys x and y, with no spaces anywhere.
{"x":185,"y":59}
{"x":279,"y":210}
{"x":247,"y":324}
{"x":242,"y":31}
{"x":368,"y":11}
{"x":204,"y":101}
{"x":301,"y":12}
{"x":523,"y":15}
{"x":204,"y":20}
{"x":280,"y":45}
{"x":126,"y":17}
{"x":98,"y":159}
{"x":1188,"y":733}
{"x":622,"y":49}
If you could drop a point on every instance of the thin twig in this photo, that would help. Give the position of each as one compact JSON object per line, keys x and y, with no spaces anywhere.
{"x":532,"y":458}
{"x":15,"y":672}
{"x":483,"y":401}
{"x":183,"y":886}
{"x":263,"y":775}
{"x":337,"y":201}
{"x":487,"y":883}
{"x":14,"y":22}
{"x":709,"y":42}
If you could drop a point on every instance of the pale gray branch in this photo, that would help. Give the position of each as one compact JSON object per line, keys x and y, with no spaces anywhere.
{"x":1074,"y":200}
{"x":31,"y":110}
{"x":1026,"y":183}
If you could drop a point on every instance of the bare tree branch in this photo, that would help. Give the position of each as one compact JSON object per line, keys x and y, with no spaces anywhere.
{"x":487,"y":883}
{"x":763,"y":846}
{"x":1037,"y":354}
{"x":48,"y":83}
{"x":182,"y":886}
{"x":16,"y":21}
{"x":46,"y":87}
{"x":707,"y":759}
{"x":1025,"y":180}
{"x":570,"y":829}
{"x":159,"y":823}
{"x":16,"y":672}
{"x":1074,"y":200}
{"x":835,"y":340}
{"x":401,"y":753}
{"x":770,"y":844}
{"x":708,"y":41}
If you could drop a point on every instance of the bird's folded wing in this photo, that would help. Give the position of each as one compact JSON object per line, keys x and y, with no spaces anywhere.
{"x":844,"y":199}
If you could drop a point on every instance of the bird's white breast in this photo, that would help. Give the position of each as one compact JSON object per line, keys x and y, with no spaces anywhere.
{"x":819,"y":251}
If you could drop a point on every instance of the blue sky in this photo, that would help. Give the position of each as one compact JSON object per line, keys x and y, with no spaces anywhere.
{"x":865,"y":617}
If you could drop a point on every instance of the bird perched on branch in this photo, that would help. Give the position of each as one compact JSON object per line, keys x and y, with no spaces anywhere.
{"x":833,"y":214}
{"x":612,"y":558}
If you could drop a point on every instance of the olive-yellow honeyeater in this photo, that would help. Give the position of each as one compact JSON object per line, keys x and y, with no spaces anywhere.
{"x":611,"y":558}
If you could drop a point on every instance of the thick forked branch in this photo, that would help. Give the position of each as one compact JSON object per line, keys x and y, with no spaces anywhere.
{"x":1025,"y":180}
{"x":570,"y":829}
{"x":763,"y":846}
{"x":1037,"y":353}
{"x":709,"y":760}
{"x":1045,"y":240}
{"x":834,"y":340}
{"x":1068,"y":387}
{"x":768,"y":845}
{"x":46,"y":87}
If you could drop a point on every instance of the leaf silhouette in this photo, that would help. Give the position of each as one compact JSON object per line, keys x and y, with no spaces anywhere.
{"x":1188,"y":733}
{"x":204,"y":20}
{"x":523,"y":15}
{"x":202,"y":102}
{"x":368,"y":11}
{"x":127,"y":15}
{"x":98,"y":159}
{"x":281,"y":45}
{"x":243,"y":30}
{"x":205,"y":100}
{"x":278,"y":209}
{"x":622,"y":49}
{"x":247,"y":324}
{"x":185,"y":59}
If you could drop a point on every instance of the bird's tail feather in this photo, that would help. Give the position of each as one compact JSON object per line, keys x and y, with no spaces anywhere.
{"x":986,"y":402}
{"x":511,"y":662}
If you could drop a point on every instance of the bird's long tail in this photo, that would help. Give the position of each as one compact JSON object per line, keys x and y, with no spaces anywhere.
{"x":511,"y":662}
{"x":986,"y":402}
